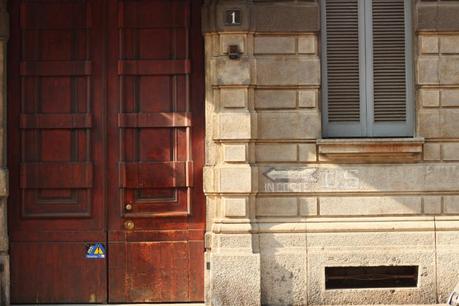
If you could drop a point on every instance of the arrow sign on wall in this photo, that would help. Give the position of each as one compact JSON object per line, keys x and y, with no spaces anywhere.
{"x":298,"y":175}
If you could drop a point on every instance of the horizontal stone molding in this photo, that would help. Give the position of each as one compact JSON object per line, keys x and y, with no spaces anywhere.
{"x":359,"y":178}
{"x":437,"y":16}
{"x":262,"y":16}
{"x":304,"y":16}
{"x":368,"y":206}
{"x":335,"y":225}
{"x":445,"y":225}
{"x":286,"y":17}
{"x":404,"y":150}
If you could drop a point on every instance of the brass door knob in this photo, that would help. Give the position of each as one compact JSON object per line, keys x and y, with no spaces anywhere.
{"x":128,"y":207}
{"x":129,"y":225}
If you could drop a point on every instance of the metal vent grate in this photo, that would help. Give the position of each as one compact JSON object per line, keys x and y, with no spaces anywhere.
{"x":371,"y":277}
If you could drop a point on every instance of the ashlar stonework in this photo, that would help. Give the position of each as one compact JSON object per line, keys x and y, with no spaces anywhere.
{"x":355,"y":203}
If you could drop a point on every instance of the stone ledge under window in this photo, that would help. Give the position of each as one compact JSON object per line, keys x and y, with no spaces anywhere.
{"x":372,"y":150}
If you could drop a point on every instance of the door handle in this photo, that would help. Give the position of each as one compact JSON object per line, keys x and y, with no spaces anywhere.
{"x":129,"y":225}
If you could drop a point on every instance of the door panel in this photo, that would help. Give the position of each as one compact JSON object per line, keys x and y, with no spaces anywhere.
{"x":105,"y":144}
{"x":154,"y":122}
{"x":56,"y":273}
{"x":156,"y":215}
{"x":55,"y":152}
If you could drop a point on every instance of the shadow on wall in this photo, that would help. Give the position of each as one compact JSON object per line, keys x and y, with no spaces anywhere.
{"x":283,"y":269}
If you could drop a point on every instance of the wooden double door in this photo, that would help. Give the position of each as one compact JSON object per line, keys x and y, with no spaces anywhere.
{"x":105,"y":145}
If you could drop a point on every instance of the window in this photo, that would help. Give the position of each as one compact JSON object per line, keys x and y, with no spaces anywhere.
{"x":367,"y":68}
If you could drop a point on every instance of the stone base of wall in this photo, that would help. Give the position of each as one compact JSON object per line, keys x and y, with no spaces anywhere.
{"x":234,"y":279}
{"x":289,"y":266}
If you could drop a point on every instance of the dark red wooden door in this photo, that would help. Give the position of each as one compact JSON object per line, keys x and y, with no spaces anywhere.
{"x":105,"y":145}
{"x":156,"y":203}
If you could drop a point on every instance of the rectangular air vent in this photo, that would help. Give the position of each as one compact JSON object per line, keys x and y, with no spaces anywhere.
{"x":371,"y":277}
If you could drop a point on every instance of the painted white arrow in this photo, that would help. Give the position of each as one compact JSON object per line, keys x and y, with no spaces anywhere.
{"x":303,"y":175}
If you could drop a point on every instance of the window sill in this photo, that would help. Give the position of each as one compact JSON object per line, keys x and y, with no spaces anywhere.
{"x":371,"y":150}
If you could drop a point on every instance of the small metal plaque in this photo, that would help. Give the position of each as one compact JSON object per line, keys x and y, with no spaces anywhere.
{"x":233,"y":17}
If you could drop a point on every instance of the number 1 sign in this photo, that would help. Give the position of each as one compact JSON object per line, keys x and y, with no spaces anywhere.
{"x":233,"y":17}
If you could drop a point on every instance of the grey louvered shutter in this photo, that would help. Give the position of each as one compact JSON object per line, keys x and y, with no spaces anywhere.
{"x":341,"y":69}
{"x":390,"y":101}
{"x":367,"y":70}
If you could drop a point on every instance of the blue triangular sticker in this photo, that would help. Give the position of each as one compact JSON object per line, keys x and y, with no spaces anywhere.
{"x":96,"y":251}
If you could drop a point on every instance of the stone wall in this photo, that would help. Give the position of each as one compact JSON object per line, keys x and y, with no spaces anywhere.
{"x":4,"y":259}
{"x":283,"y":203}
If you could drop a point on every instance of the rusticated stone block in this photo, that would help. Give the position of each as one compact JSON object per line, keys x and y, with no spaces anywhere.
{"x":450,"y":151}
{"x":234,"y":126}
{"x":289,"y":125}
{"x":450,"y":97}
{"x":428,"y":71}
{"x":276,"y":152}
{"x":227,"y":242}
{"x":367,"y":206}
{"x":307,"y":44}
{"x":234,"y":153}
{"x":450,"y":123}
{"x":236,"y":179}
{"x":233,"y":98}
{"x":281,"y":70}
{"x":449,"y":70}
{"x":229,"y":72}
{"x":235,"y":207}
{"x":307,"y":152}
{"x":429,"y":123}
{"x":430,"y":98}
{"x":307,"y":98}
{"x":432,"y":205}
{"x":428,"y":44}
{"x":432,"y":151}
{"x":279,"y":206}
{"x":451,"y":204}
{"x":449,"y":44}
{"x":274,"y":44}
{"x":307,"y":206}
{"x":275,"y":99}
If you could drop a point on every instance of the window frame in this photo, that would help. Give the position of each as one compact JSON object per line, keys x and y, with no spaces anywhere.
{"x":366,"y":128}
